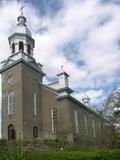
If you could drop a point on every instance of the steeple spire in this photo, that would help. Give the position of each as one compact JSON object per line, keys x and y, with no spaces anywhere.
{"x":62,"y":68}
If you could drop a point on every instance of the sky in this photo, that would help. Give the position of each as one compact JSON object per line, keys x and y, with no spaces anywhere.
{"x":81,"y":35}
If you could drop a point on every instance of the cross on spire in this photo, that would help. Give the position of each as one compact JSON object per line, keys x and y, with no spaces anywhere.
{"x":62,"y":68}
{"x":21,"y":9}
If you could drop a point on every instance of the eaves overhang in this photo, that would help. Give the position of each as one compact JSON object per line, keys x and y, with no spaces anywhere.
{"x":4,"y":68}
{"x":81,"y":105}
{"x":69,"y":90}
{"x":21,"y":34}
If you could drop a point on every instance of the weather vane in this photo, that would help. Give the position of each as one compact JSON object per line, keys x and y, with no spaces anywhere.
{"x":62,"y":68}
{"x":21,"y":9}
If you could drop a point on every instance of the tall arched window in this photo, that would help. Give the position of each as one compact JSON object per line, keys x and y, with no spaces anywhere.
{"x":86,"y":124}
{"x":76,"y":121}
{"x":54,"y":120}
{"x":93,"y":125}
{"x":29,"y":49}
{"x":11,"y":132}
{"x":13,"y":48}
{"x":11,"y":102}
{"x":35,"y":132}
{"x":21,"y":46}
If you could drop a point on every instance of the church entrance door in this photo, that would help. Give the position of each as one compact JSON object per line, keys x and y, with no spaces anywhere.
{"x":11,"y":132}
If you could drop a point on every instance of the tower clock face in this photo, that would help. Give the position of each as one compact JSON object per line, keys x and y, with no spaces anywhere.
{"x":10,"y":79}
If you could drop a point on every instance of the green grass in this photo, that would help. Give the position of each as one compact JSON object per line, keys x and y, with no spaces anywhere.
{"x":63,"y":155}
{"x":75,"y":155}
{"x":16,"y":151}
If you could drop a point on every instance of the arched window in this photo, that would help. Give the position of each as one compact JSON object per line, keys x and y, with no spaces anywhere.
{"x":21,"y":46}
{"x":86,"y":124}
{"x":76,"y":121}
{"x":11,"y":132}
{"x":13,"y":48}
{"x":35,"y":132}
{"x":93,"y":125}
{"x":29,"y":49}
{"x":11,"y":102}
{"x":54,"y":120}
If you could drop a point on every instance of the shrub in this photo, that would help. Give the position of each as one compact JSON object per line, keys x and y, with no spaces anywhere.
{"x":14,"y":151}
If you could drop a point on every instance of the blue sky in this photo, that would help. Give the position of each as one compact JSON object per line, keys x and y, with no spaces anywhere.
{"x":81,"y":35}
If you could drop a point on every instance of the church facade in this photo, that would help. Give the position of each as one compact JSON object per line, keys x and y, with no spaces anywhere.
{"x":32,"y":109}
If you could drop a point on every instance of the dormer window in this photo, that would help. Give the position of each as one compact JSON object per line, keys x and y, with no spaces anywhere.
{"x":13,"y":48}
{"x":21,"y":46}
{"x":29,"y":49}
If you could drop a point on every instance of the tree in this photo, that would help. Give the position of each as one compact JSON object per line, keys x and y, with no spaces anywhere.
{"x":111,"y":112}
{"x":111,"y":107}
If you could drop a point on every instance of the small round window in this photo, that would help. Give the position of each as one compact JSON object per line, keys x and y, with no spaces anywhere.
{"x":10,"y":79}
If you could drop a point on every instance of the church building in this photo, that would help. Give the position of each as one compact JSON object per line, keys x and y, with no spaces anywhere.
{"x":32,"y":109}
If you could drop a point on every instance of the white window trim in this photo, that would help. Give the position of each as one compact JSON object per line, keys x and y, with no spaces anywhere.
{"x":35,"y":104}
{"x":86,"y":124}
{"x":99,"y":128}
{"x":52,"y":121}
{"x":11,"y":104}
{"x":76,"y":121}
{"x":94,"y":131}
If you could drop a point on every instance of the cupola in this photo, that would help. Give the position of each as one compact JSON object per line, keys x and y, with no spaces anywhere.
{"x":21,"y":38}
{"x":86,"y":100}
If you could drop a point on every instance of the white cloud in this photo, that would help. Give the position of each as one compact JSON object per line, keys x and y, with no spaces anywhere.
{"x":94,"y":95}
{"x":98,"y":50}
{"x":93,"y":26}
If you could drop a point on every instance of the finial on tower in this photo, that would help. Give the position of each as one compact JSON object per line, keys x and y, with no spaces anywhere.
{"x":21,"y":9}
{"x":21,"y":19}
{"x":62,"y":68}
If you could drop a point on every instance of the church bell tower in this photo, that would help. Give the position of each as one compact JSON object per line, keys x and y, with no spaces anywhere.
{"x":21,"y":39}
{"x":21,"y":74}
